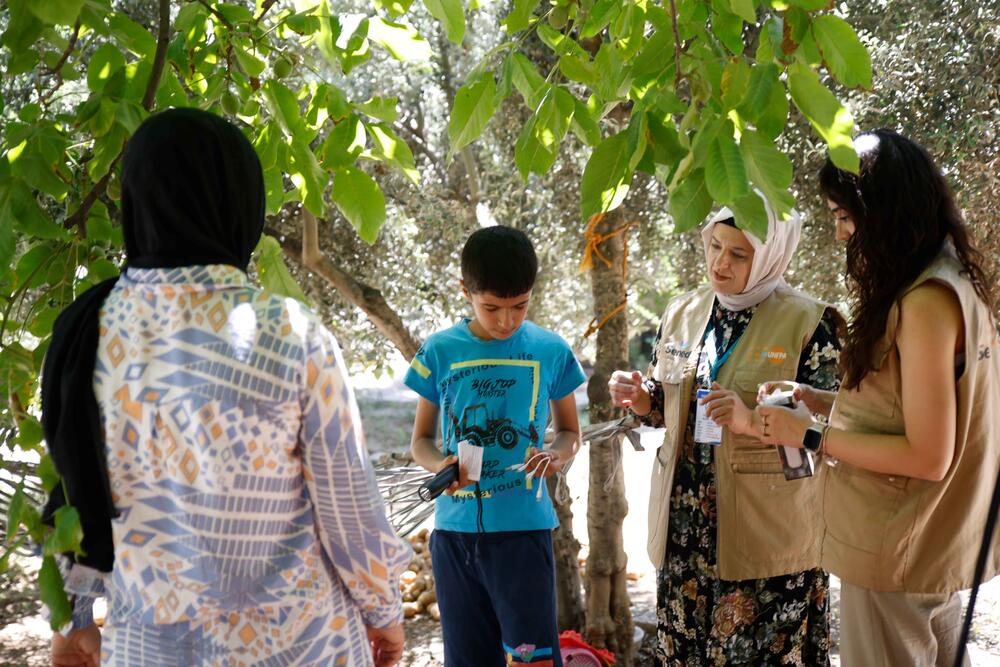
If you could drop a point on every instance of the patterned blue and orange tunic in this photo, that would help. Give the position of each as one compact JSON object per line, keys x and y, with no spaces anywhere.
{"x":251,"y":530}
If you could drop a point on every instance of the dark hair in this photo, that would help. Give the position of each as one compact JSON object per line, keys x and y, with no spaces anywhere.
{"x":499,"y":260}
{"x":903,"y":211}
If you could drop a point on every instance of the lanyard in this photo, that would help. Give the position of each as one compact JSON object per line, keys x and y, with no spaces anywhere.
{"x":715,"y":362}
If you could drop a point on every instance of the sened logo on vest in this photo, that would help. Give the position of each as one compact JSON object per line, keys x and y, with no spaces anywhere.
{"x":677,"y":349}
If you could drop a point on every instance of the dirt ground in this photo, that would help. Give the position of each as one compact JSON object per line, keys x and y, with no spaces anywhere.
{"x":387,"y":414}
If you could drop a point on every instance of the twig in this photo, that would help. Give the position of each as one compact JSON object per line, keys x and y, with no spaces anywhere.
{"x":263,"y":9}
{"x":677,"y":45}
{"x":79,"y":218}
{"x":57,"y":68}
{"x":216,"y":14}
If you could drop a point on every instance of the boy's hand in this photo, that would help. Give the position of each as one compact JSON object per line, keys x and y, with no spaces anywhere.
{"x":463,"y":475}
{"x":82,"y":648}
{"x":539,"y":470}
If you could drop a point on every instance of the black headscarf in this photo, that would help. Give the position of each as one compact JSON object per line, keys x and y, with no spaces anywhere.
{"x":192,"y":194}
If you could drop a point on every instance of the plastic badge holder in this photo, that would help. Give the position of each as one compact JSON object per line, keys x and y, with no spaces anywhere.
{"x":796,"y":463}
{"x":471,"y":456}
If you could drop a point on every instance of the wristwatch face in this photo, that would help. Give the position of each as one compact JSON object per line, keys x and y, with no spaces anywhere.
{"x":813,"y":439}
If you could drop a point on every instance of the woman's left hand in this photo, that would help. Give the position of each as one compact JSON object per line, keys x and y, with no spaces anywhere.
{"x":784,"y":426}
{"x":726,"y":408}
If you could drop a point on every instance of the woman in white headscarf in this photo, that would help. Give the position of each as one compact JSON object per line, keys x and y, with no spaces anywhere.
{"x":735,"y":543}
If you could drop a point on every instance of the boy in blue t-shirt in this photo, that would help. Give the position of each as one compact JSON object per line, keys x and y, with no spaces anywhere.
{"x":491,"y":381}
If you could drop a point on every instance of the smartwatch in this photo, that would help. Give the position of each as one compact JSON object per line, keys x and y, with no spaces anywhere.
{"x":813,"y":439}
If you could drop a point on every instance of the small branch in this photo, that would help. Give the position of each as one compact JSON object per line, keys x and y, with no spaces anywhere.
{"x":79,"y":217}
{"x":215,"y":12}
{"x":677,"y":45}
{"x":365,"y":297}
{"x":57,"y":68}
{"x":263,"y":9}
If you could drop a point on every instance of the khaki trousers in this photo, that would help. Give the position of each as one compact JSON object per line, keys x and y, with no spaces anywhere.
{"x":898,"y":629}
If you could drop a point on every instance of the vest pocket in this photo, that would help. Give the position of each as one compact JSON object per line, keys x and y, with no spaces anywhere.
{"x":746,"y":458}
{"x":777,"y":519}
{"x":860,"y":507}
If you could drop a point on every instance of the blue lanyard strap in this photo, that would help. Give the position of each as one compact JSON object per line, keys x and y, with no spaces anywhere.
{"x":715,"y":362}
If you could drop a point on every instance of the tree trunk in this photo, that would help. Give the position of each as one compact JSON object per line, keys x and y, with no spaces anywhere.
{"x":569,"y":591}
{"x":609,"y":618}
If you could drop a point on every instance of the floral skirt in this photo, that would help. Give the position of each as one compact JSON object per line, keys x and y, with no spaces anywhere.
{"x":703,"y":620}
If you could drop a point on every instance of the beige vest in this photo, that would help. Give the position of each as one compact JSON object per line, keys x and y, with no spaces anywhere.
{"x":894,"y":533}
{"x":768,"y":526}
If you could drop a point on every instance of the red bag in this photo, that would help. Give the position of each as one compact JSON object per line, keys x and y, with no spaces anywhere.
{"x":578,"y":653}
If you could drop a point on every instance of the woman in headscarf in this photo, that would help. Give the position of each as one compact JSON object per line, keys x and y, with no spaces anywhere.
{"x":736,"y":544}
{"x":207,"y":434}
{"x":915,"y":429}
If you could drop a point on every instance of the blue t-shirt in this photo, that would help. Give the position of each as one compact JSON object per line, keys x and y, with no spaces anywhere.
{"x":495,"y":394}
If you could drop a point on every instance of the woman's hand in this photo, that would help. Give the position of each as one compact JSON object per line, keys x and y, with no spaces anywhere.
{"x":82,"y":648}
{"x":802,"y":393}
{"x":726,"y":408}
{"x":784,"y":426}
{"x":628,"y":391}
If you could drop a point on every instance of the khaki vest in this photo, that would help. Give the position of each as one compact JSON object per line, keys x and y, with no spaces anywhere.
{"x":894,"y":533}
{"x":768,"y":526}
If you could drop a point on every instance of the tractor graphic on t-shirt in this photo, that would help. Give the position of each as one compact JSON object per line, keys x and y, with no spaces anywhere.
{"x":482,"y":430}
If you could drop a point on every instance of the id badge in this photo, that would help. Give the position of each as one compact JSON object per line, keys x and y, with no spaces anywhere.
{"x":706,"y":431}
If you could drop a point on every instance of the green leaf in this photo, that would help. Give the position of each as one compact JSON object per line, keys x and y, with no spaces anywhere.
{"x":527,"y":80}
{"x":29,"y":435}
{"x":538,"y":146}
{"x":583,"y":124}
{"x":106,"y":61}
{"x":844,"y":54}
{"x":451,"y":15}
{"x":394,"y":7}
{"x":306,"y":24}
{"x":68,"y":533}
{"x":234,"y":13}
{"x":133,"y":36}
{"x":735,"y":82}
{"x":725,"y":173}
{"x":8,"y":242}
{"x":663,"y":146}
{"x":14,"y":510}
{"x":769,"y":169}
{"x":577,"y":69}
{"x":273,"y":272}
{"x":52,"y":593}
{"x":772,"y":119}
{"x":763,"y":78}
{"x":744,"y":9}
{"x":360,"y":201}
{"x":560,"y":43}
{"x":704,"y":138}
{"x":474,"y":106}
{"x":106,"y":149}
{"x":283,"y":105}
{"x":656,"y":55}
{"x":599,"y":16}
{"x":387,"y":146}
{"x":344,"y":144}
{"x":520,"y":15}
{"x":251,"y":64}
{"x":827,"y":115}
{"x":690,"y":202}
{"x":381,"y":108}
{"x":337,"y":105}
{"x":729,"y":29}
{"x":606,"y":178}
{"x":750,"y":214}
{"x":614,"y":81}
{"x":56,"y":12}
{"x":812,"y":5}
{"x":399,"y":39}
{"x":308,"y":176}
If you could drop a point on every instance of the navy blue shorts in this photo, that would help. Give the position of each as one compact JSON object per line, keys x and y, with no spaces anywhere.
{"x":497,"y":596}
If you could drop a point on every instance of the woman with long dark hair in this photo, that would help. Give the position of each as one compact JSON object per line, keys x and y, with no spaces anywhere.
{"x":914,"y":432}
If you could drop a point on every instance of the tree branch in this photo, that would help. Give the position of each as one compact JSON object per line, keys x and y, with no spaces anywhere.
{"x":79,"y":217}
{"x":365,"y":297}
{"x":677,"y":45}
{"x":215,"y":12}
{"x":57,"y":68}
{"x":263,"y":9}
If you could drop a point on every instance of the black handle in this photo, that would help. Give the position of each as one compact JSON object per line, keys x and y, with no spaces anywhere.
{"x":433,"y":487}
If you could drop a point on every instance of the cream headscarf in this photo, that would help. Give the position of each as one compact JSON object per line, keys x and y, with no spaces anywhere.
{"x":770,"y":258}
